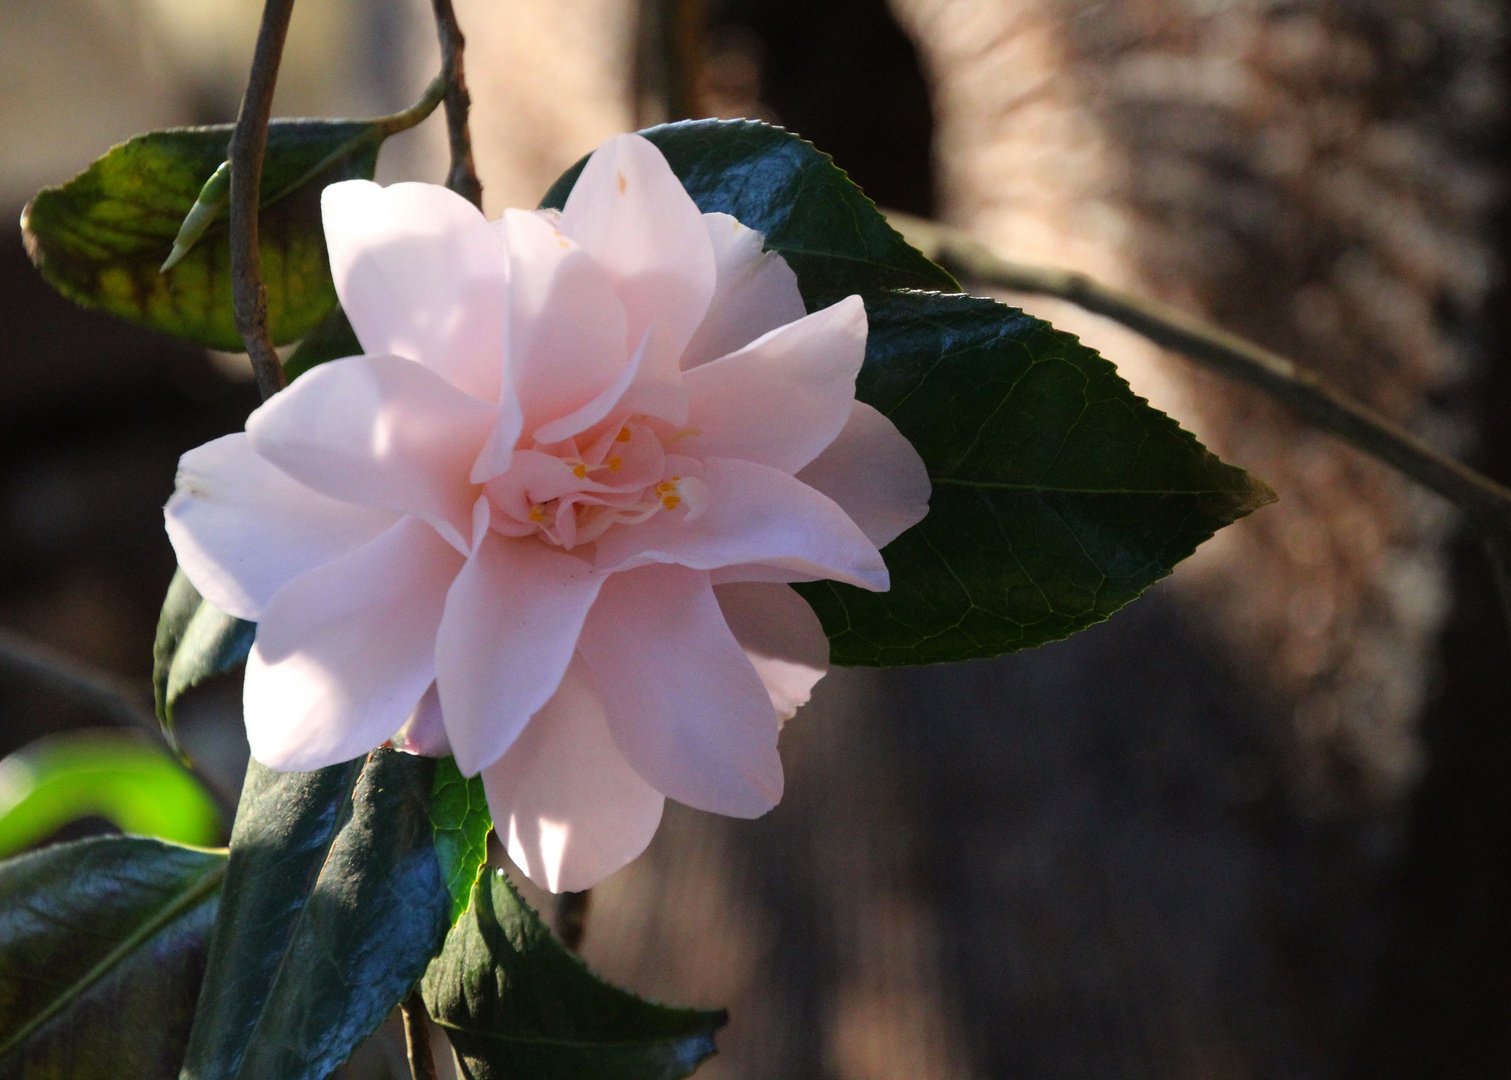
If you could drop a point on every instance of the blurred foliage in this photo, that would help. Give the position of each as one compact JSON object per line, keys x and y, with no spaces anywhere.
{"x":111,"y":774}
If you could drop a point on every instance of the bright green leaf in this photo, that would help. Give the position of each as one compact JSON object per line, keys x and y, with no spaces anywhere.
{"x":195,"y":640}
{"x":1059,"y":495}
{"x":113,"y":774}
{"x":515,"y":1002}
{"x":102,"y":945}
{"x":333,"y":906}
{"x":459,"y":813}
{"x":101,"y":239}
{"x":832,"y":236}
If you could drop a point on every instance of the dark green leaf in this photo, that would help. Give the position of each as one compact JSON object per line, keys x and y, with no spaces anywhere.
{"x":102,"y":946}
{"x":1059,"y":496}
{"x":333,"y":339}
{"x":831,"y":235}
{"x":195,"y":640}
{"x":101,"y":239}
{"x":333,"y":906}
{"x":459,"y":812}
{"x":516,"y":1003}
{"x":117,"y":775}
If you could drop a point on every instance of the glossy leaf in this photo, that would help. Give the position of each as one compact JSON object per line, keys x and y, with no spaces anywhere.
{"x":459,"y":813}
{"x":195,"y":641}
{"x":113,"y":774}
{"x":515,"y":1002}
{"x":333,"y":906}
{"x":102,"y":238}
{"x":832,"y":236}
{"x":102,"y":946}
{"x":1059,"y":495}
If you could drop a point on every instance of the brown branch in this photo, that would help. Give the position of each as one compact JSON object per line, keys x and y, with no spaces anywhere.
{"x":109,"y":695}
{"x":682,"y":29}
{"x":462,"y":178}
{"x":1484,"y":501}
{"x":417,"y":1038}
{"x":248,"y":142}
{"x":669,"y":58}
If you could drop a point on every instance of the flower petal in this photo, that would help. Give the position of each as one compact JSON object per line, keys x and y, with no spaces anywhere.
{"x":424,"y":733}
{"x":874,"y":474}
{"x":564,"y":800}
{"x":420,"y":274}
{"x":755,"y":291}
{"x":344,"y":652}
{"x":580,"y":419}
{"x":783,"y":398}
{"x":379,"y":431}
{"x":754,"y":514}
{"x":242,"y":528}
{"x":511,"y":623}
{"x":781,"y":636}
{"x":631,"y":213}
{"x":683,"y":701}
{"x":567,"y":329}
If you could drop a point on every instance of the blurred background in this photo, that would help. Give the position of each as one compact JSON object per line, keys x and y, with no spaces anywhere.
{"x":1256,"y":825}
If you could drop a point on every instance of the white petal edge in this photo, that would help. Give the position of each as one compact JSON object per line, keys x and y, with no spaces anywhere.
{"x":512,"y":621}
{"x":683,"y":701}
{"x":242,"y":528}
{"x":566,"y":803}
{"x":782,"y":638}
{"x":755,"y":291}
{"x":345,"y":652}
{"x":783,"y":398}
{"x":380,"y":431}
{"x":421,"y":274}
{"x":874,"y":474}
{"x":754,"y":514}
{"x":567,"y":329}
{"x":631,"y":213}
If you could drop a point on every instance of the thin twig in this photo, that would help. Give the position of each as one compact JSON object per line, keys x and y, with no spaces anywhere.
{"x":417,"y":1038}
{"x":248,"y":142}
{"x":1486,"y":503}
{"x":669,"y":60}
{"x":462,"y":178}
{"x":111,"y":696}
{"x":682,"y":29}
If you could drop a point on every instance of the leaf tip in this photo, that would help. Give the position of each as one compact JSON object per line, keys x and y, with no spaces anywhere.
{"x":174,"y":257}
{"x":29,"y":240}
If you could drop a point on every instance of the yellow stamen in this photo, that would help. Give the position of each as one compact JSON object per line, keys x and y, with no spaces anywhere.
{"x":667,"y":486}
{"x":670,"y":501}
{"x":615,"y":464}
{"x":623,"y":436}
{"x":580,"y":471}
{"x":538,"y":513}
{"x":685,"y":433}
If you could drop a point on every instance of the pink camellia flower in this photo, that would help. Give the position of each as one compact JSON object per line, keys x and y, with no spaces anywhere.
{"x":546,"y":521}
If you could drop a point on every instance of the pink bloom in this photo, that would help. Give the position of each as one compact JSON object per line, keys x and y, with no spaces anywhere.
{"x":546,"y":521}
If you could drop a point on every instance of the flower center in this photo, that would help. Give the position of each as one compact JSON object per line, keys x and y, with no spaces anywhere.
{"x":622,"y":474}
